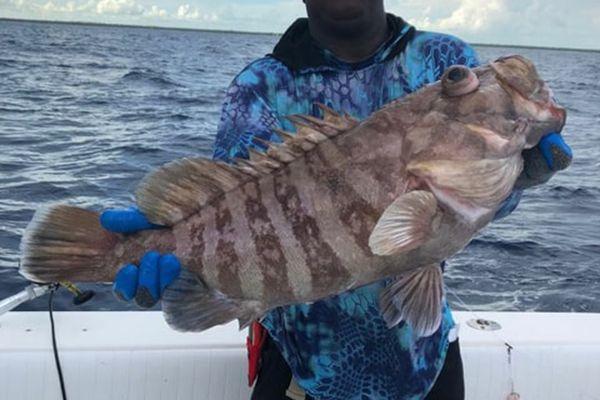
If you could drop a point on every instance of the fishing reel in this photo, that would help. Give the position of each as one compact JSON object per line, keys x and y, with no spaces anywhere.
{"x":36,"y":290}
{"x":79,"y":297}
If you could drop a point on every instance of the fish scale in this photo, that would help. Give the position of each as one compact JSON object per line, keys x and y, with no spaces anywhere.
{"x":266,"y":243}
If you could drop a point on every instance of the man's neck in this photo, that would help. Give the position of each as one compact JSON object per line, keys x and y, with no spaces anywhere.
{"x":353,"y":48}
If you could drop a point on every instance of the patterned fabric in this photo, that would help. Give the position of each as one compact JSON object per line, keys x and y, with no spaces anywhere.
{"x":340,"y":347}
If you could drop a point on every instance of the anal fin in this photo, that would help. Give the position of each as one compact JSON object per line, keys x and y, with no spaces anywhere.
{"x":416,"y":298}
{"x":189,"y":305}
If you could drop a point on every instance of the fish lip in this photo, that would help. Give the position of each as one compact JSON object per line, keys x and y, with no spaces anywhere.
{"x":555,"y":109}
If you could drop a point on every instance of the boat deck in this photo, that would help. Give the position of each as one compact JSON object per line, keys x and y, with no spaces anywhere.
{"x":135,"y":355}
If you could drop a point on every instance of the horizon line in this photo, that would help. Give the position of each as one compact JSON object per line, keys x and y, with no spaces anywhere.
{"x":117,"y":25}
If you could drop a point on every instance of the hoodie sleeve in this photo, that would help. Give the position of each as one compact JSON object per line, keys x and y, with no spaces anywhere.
{"x":429,"y":54}
{"x":447,"y":50}
{"x":247,"y":114}
{"x":509,"y":205}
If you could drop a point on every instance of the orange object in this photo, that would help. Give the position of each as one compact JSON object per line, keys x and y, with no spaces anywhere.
{"x":254,"y":343}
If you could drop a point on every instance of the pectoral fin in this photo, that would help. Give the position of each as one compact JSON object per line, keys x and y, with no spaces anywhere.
{"x":405,"y":224}
{"x":415,"y":298}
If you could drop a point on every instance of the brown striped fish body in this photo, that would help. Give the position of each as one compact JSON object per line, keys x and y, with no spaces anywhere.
{"x":338,"y":205}
{"x":303,"y":230}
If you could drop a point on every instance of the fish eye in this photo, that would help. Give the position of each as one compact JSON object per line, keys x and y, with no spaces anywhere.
{"x":456,"y":74}
{"x":459,"y":80}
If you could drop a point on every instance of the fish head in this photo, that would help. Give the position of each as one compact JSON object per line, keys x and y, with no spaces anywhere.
{"x":508,"y":90}
{"x":467,"y":148}
{"x":532,"y":99}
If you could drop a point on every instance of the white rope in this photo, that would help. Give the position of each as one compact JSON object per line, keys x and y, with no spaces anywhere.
{"x":509,"y":347}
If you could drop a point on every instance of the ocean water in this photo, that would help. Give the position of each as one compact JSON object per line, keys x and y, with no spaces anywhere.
{"x":86,"y":111}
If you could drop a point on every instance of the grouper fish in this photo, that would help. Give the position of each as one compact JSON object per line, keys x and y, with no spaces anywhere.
{"x":336,"y":205}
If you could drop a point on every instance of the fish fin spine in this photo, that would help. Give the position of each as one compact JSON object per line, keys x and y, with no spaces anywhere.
{"x":309,"y":132}
{"x":63,"y":242}
{"x":344,"y":121}
{"x":416,"y":298}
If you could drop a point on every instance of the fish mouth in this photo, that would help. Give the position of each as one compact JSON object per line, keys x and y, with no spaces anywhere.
{"x":536,"y":101}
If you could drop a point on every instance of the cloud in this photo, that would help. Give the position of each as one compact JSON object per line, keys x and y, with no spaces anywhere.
{"x":12,"y":4}
{"x":122,"y":7}
{"x":187,"y":12}
{"x":534,"y":22}
{"x":265,"y":16}
{"x":69,"y":7}
{"x":474,"y":15}
{"x":50,"y":6}
{"x":97,"y":7}
{"x":552,"y":23}
{"x":156,"y":12}
{"x":114,"y":10}
{"x":453,"y":15}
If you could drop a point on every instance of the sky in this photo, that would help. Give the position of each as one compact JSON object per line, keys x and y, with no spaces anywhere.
{"x":550,"y":23}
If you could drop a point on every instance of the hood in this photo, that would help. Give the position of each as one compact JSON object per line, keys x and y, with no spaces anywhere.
{"x":299,"y":51}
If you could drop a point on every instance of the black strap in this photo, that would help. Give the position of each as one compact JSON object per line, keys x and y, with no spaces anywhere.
{"x":61,"y":378}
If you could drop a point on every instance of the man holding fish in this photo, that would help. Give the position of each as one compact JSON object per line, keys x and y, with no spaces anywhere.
{"x":354,"y":58}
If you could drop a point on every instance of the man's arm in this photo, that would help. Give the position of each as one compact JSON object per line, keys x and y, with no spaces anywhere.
{"x":247,"y":114}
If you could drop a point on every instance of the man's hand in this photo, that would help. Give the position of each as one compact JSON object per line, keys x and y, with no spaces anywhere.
{"x":144,"y":283}
{"x":551,"y":155}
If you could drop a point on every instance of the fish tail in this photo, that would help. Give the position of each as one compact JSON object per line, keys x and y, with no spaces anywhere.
{"x":65,"y":243}
{"x":189,"y":304}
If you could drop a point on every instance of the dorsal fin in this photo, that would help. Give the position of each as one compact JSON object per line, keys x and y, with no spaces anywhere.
{"x":344,"y":121}
{"x":263,"y":161}
{"x":310,"y":131}
{"x":180,"y":188}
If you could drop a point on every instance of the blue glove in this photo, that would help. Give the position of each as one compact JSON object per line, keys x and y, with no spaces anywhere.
{"x":146,"y":283}
{"x":556,"y":152}
{"x":128,"y":220}
{"x":551,"y":155}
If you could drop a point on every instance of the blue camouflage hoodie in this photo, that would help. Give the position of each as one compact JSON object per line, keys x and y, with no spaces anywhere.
{"x":340,"y":347}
